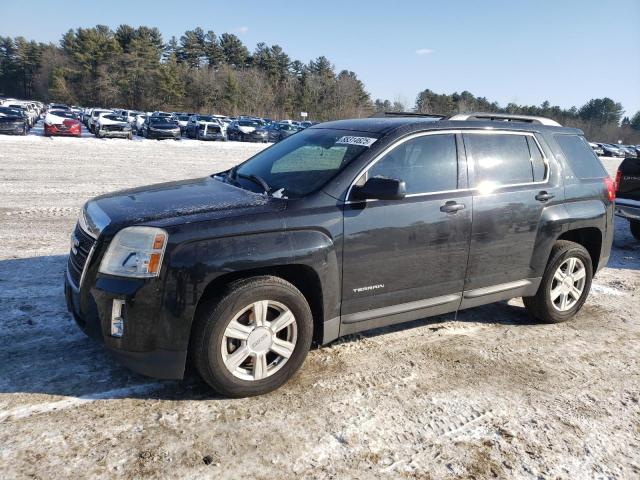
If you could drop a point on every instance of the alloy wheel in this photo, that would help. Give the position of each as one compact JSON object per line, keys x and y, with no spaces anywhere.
{"x":568,"y":284}
{"x":259,"y":340}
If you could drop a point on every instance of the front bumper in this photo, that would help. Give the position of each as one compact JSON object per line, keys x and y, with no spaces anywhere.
{"x":92,"y":312}
{"x":115,"y":133}
{"x":163,"y":134}
{"x":210,"y":136}
{"x":254,"y":137}
{"x":68,"y":132}
{"x":629,"y":209}
{"x":12,"y":128}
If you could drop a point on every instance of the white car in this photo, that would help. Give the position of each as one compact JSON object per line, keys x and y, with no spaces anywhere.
{"x":137,"y":123}
{"x":182,"y":121}
{"x":93,"y":118}
{"x":113,"y":125}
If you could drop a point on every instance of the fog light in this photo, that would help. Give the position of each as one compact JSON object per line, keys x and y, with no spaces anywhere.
{"x":117,"y":322}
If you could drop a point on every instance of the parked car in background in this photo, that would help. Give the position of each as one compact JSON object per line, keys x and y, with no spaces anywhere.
{"x":112,"y":125}
{"x":161,"y":114}
{"x":247,"y":131}
{"x":307,"y":124}
{"x":629,"y":150}
{"x":160,"y":128}
{"x":611,"y":150}
{"x":205,"y":127}
{"x":21,"y":112}
{"x":31,"y":120}
{"x":13,"y":121}
{"x":93,"y":118}
{"x":281,"y":130}
{"x":597,"y":149}
{"x":182,"y":120}
{"x":138,"y":122}
{"x":62,"y":123}
{"x":58,"y":106}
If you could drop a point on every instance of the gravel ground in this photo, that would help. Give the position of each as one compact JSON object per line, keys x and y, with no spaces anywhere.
{"x":488,"y":394}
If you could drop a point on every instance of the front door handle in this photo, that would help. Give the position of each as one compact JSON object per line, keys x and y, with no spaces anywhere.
{"x":451,"y":207}
{"x":544,"y":196}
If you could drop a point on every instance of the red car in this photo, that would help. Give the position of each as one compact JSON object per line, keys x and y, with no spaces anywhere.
{"x":62,"y":123}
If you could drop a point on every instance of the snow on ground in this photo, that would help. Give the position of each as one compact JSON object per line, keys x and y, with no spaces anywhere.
{"x":490,"y":394}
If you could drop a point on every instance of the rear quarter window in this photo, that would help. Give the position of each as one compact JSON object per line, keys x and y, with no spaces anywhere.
{"x":580,"y":156}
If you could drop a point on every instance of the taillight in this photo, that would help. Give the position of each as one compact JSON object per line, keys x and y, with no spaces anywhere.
{"x":611,"y":188}
{"x":618,"y":178}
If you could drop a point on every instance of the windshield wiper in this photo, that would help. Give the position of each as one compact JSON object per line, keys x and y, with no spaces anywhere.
{"x":258,"y":180}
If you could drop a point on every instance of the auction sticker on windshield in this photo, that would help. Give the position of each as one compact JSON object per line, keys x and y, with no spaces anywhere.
{"x":362,"y":141}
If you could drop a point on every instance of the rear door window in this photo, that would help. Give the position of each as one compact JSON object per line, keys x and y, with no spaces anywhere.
{"x":501,"y":159}
{"x":580,"y":156}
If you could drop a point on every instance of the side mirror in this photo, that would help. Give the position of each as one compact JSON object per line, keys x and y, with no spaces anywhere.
{"x":380,"y":188}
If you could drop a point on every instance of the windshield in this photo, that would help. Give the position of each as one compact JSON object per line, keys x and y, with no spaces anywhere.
{"x":183,"y":118}
{"x":206,"y":118}
{"x":115,"y":118}
{"x":288,"y":127}
{"x":304,"y":162}
{"x":249,"y":123}
{"x":63,"y":113}
{"x":158,"y":120}
{"x":10,"y":111}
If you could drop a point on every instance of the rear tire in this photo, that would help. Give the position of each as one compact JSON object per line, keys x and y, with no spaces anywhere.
{"x":212,"y":345}
{"x":635,"y":228}
{"x":549,"y":306}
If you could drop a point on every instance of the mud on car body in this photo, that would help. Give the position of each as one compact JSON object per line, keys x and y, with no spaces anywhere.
{"x":345,"y":226}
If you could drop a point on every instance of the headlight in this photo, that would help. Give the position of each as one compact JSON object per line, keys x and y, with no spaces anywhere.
{"x":135,"y":252}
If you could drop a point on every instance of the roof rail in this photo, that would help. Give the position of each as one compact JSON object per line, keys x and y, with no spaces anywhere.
{"x":504,"y":117}
{"x":409,"y":114}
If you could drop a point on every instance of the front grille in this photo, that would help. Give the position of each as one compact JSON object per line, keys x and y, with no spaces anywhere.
{"x":112,"y":128}
{"x":78,"y":260}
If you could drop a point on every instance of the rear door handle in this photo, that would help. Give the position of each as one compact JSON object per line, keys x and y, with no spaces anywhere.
{"x":451,"y":207}
{"x":544,"y":196}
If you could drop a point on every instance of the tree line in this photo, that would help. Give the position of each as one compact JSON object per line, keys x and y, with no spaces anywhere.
{"x":201,"y":71}
{"x":135,"y":68}
{"x":601,"y":119}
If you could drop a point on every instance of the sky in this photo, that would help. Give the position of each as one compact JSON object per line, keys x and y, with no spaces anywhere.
{"x":564,"y":51}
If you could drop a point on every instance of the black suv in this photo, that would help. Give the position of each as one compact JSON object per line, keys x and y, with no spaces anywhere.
{"x":343,"y":227}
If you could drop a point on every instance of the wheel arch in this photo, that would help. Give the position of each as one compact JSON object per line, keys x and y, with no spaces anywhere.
{"x":303,"y":277}
{"x":590,"y":238}
{"x":584,"y":222}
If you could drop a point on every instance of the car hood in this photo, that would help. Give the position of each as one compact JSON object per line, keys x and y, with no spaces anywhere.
{"x":4,"y":118}
{"x":163,"y":126}
{"x":246,"y":129}
{"x":56,"y":120}
{"x":182,"y":202}
{"x":106,"y":121}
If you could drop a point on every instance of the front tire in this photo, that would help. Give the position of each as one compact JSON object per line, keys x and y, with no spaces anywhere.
{"x":565,"y":284}
{"x":253,"y":337}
